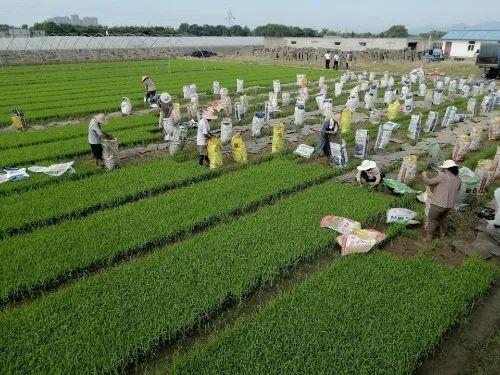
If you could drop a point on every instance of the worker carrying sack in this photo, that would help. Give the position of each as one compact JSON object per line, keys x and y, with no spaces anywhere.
{"x":239,"y":149}
{"x":110,"y":153}
{"x":214,"y":153}
{"x":278,"y":143}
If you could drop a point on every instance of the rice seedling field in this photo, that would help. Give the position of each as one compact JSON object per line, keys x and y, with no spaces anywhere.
{"x":102,"y":270}
{"x":74,"y":90}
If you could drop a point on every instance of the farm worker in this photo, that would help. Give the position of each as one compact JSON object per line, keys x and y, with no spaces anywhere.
{"x":368,"y":174}
{"x":164,"y":107}
{"x":330,"y":132}
{"x":444,"y":188}
{"x":336,"y":61}
{"x":342,"y":57}
{"x":204,"y":134}
{"x":96,"y":135}
{"x":150,"y":88}
{"x":328,"y":57}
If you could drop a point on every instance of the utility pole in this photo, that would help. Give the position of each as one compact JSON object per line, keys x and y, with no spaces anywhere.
{"x":230,"y":18}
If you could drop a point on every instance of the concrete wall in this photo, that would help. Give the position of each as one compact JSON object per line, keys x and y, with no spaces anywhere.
{"x":346,"y":44}
{"x":460,"y":48}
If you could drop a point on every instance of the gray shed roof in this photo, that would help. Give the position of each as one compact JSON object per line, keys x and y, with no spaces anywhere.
{"x":492,"y":35}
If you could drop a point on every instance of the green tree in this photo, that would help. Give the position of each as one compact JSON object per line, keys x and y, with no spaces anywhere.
{"x":395,"y":31}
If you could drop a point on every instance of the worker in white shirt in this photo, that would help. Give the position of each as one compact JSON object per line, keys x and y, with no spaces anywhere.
{"x":204,"y":134}
{"x":96,"y":135}
{"x":336,"y":61}
{"x":368,"y":174}
{"x":328,"y":57}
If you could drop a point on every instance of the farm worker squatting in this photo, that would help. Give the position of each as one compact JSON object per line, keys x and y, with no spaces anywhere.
{"x":368,"y":174}
{"x":96,"y":135}
{"x":203,"y":134}
{"x":150,"y":88}
{"x":330,"y":132}
{"x":444,"y":188}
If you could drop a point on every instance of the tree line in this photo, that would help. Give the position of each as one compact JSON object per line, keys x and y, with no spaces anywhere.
{"x":269,"y":30}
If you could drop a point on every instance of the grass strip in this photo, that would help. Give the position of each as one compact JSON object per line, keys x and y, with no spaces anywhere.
{"x":72,"y":199}
{"x":105,"y":322}
{"x":72,"y":147}
{"x":46,"y":257}
{"x":372,"y":314}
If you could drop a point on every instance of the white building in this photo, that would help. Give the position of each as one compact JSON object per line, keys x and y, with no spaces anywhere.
{"x":346,"y":44}
{"x":466,"y":43}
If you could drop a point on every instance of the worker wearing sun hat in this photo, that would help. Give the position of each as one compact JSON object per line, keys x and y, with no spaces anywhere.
{"x":150,"y":88}
{"x":96,"y":135}
{"x":164,"y":107}
{"x":444,"y":188}
{"x":204,"y":134}
{"x":368,"y":174}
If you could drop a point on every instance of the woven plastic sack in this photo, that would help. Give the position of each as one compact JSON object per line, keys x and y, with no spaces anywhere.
{"x":361,"y":144}
{"x":239,"y":85}
{"x":338,"y":157}
{"x":435,"y":153}
{"x":475,"y":138}
{"x":345,"y":121}
{"x":461,"y":147}
{"x":360,"y":241}
{"x":400,"y":215}
{"x":414,"y":127}
{"x":484,"y":171}
{"x":340,"y":224}
{"x":226,"y":130}
{"x":214,"y":153}
{"x":494,"y":129}
{"x":471,"y":106}
{"x":276,"y":86}
{"x":216,"y":88}
{"x":239,"y":149}
{"x":278,"y":142}
{"x":398,"y":187}
{"x":432,"y":119}
{"x":110,"y":153}
{"x":408,"y":169}
{"x":393,"y":110}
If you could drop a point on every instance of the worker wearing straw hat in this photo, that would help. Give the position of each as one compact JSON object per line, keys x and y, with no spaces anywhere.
{"x":204,"y":134}
{"x":368,"y":174}
{"x":96,"y":135}
{"x":150,"y":88}
{"x":444,"y":188}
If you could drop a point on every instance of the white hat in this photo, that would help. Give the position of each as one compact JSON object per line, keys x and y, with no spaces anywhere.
{"x":100,"y":118}
{"x":143,"y":78}
{"x":165,"y":98}
{"x":448,"y":164}
{"x":209,"y":114}
{"x":366,"y":164}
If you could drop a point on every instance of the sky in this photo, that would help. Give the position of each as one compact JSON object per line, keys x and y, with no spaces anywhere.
{"x":361,"y":15}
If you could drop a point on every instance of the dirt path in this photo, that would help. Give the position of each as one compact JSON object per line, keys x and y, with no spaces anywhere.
{"x":465,"y":350}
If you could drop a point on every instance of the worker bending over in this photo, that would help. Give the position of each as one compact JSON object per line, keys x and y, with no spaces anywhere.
{"x":164,"y":107}
{"x":330,"y":132}
{"x":96,"y":136}
{"x":150,"y":88}
{"x":444,"y":188}
{"x":204,"y":134}
{"x":368,"y":174}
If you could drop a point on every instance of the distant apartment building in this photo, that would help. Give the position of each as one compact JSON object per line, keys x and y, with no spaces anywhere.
{"x":74,"y":20}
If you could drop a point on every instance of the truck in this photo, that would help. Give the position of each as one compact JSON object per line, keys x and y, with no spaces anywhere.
{"x":489,"y":59}
{"x":435,"y":54}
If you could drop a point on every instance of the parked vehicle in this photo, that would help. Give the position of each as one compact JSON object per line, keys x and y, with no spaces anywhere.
{"x":489,"y":59}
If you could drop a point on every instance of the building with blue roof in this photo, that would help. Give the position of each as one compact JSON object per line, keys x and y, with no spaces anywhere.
{"x":466,"y":43}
